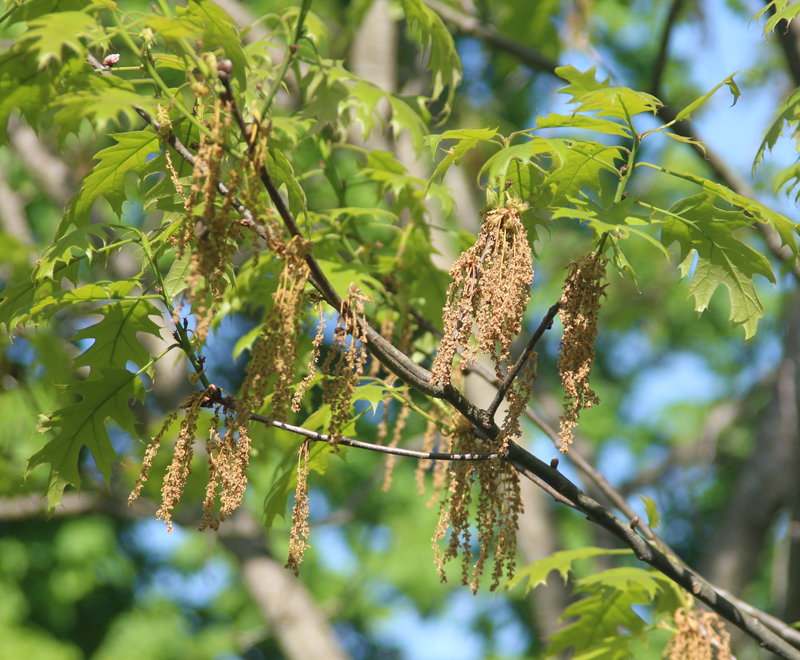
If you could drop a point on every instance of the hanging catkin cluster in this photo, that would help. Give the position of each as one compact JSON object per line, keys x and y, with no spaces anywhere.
{"x":213,"y":229}
{"x":490,"y":289}
{"x":699,"y":636}
{"x":579,"y":306}
{"x":498,"y":509}
{"x":344,"y":367}
{"x":298,"y":539}
{"x":272,"y":365}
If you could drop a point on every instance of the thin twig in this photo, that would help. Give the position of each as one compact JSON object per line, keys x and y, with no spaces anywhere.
{"x":546,"y":324}
{"x":218,"y":399}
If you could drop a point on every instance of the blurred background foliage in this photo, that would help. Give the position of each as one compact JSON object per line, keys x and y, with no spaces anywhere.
{"x":687,"y":410}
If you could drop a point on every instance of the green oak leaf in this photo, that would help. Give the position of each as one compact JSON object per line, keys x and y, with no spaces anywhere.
{"x":702,"y":228}
{"x":537,"y":572}
{"x":23,"y":87}
{"x":15,"y":308}
{"x":465,"y":140}
{"x":582,"y":121}
{"x":35,"y":8}
{"x":51,"y":33}
{"x":608,"y":608}
{"x":788,"y":111}
{"x":580,"y":164}
{"x":84,"y":424}
{"x":405,"y":119}
{"x":48,"y":298}
{"x":755,"y":211}
{"x":784,"y":12}
{"x":653,"y":516}
{"x":69,"y":247}
{"x":107,"y":178}
{"x":427,"y":29}
{"x":220,"y":31}
{"x":729,"y":81}
{"x":115,"y":340}
{"x":600,"y":97}
{"x":104,"y":99}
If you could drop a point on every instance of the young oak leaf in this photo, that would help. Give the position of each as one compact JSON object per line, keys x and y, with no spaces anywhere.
{"x":428,"y":29}
{"x":52,"y":33}
{"x":561,"y":561}
{"x":115,"y":337}
{"x":107,"y":178}
{"x":600,"y":97}
{"x":580,"y":164}
{"x":606,"y":609}
{"x":84,"y":424}
{"x":700,"y":227}
{"x":23,"y":87}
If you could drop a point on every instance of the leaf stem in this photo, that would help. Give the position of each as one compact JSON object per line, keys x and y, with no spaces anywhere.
{"x":287,"y":60}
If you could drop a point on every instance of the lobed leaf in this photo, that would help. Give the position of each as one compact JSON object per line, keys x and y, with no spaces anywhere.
{"x":650,"y":508}
{"x":686,"y":113}
{"x":107,"y":178}
{"x":35,"y":8}
{"x":751,"y":209}
{"x":23,"y":87}
{"x":702,"y":228}
{"x":580,"y":164}
{"x":583,"y":122}
{"x":537,"y":572}
{"x":83,"y":424}
{"x":115,"y":337}
{"x":788,"y":111}
{"x":102,"y":100}
{"x":219,"y":30}
{"x":428,"y":29}
{"x":50,"y":34}
{"x":465,"y":140}
{"x":784,"y":12}
{"x":592,"y":96}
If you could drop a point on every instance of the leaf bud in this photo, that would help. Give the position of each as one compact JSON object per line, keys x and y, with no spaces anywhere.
{"x":111,"y":60}
{"x":226,"y":66}
{"x":554,"y":462}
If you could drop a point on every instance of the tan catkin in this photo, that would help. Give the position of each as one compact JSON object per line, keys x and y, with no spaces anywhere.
{"x":180,"y":468}
{"x":579,"y":307}
{"x":298,"y":540}
{"x":490,"y":290}
{"x":699,"y":636}
{"x":498,"y":507}
{"x":344,"y":366}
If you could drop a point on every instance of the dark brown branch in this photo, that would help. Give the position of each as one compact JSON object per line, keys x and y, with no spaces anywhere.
{"x":617,"y":499}
{"x":661,"y":58}
{"x":546,"y":324}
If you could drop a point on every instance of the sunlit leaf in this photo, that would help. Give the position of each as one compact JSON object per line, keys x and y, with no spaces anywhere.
{"x":600,"y":97}
{"x":686,"y":113}
{"x":428,"y":29}
{"x":537,"y":572}
{"x":704,"y":229}
{"x":107,"y":178}
{"x":115,"y":336}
